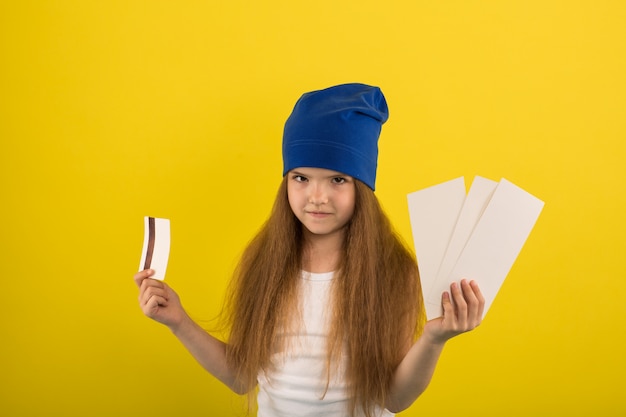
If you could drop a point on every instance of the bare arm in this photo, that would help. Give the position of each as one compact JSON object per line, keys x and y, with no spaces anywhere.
{"x":416,"y":370}
{"x":159,"y":302}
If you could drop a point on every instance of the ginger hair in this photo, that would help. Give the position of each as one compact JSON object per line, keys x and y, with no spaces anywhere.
{"x":376,"y":297}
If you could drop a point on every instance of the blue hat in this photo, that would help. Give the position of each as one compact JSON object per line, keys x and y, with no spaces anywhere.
{"x":338,"y":129}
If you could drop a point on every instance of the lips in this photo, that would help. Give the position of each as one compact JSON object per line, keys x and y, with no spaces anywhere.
{"x":318,"y":214}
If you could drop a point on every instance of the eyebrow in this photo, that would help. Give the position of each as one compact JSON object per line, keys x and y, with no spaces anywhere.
{"x":336,"y":174}
{"x":294,"y":172}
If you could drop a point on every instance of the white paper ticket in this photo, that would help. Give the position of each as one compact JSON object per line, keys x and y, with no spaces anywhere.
{"x":156,"y":246}
{"x":477,"y":236}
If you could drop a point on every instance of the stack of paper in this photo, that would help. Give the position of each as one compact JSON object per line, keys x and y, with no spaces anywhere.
{"x":475,"y":236}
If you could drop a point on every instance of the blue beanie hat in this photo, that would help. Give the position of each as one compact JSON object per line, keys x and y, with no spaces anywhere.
{"x":338,"y":129}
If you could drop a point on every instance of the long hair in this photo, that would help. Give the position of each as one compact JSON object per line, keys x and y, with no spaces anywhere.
{"x":376,"y":297}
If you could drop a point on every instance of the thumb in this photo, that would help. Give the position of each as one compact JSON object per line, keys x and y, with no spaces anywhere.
{"x":141,"y":275}
{"x":446,"y":303}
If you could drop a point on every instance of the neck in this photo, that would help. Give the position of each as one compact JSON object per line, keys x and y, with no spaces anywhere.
{"x":322,"y":253}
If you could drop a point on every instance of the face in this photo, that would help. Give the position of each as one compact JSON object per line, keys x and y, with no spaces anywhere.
{"x":323,"y":200}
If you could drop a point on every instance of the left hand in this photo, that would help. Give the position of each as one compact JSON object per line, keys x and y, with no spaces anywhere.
{"x":464,"y":315}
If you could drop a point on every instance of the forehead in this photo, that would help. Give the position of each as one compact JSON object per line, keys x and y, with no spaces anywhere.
{"x":318,"y":172}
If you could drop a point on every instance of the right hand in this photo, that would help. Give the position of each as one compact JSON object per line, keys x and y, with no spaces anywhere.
{"x":158,"y":301}
{"x":464,"y":315}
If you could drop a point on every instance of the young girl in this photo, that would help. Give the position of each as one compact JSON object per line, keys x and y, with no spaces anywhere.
{"x":325,"y":305}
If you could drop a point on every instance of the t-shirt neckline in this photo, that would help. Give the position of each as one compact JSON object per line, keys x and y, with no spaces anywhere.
{"x":318,"y":276}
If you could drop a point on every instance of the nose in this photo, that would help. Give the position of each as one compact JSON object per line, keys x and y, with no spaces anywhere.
{"x":318,"y":194}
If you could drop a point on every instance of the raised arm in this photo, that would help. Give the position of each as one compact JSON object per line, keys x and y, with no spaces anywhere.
{"x":416,"y":370}
{"x":159,"y":302}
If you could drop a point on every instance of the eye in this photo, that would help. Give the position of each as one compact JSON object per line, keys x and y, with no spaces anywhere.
{"x":299,"y":178}
{"x":339,"y":180}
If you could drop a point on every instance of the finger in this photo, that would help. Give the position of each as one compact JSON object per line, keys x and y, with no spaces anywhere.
{"x":481,"y":300}
{"x":151,"y":283}
{"x":150,"y":292}
{"x":468,"y":294}
{"x":142,"y":275}
{"x":448,"y":309}
{"x":473,"y":305}
{"x":460,"y":305}
{"x":153,"y":305}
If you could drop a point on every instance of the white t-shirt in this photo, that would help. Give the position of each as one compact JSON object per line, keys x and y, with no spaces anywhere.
{"x":297,"y":385}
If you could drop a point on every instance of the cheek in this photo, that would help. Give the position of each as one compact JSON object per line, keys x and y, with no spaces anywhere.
{"x":348,"y":204}
{"x":351,"y":210}
{"x":292,"y":198}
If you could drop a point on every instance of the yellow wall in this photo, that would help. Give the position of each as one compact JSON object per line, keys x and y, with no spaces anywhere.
{"x":113,"y":110}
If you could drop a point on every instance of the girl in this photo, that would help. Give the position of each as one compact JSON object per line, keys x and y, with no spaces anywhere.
{"x":325,"y":309}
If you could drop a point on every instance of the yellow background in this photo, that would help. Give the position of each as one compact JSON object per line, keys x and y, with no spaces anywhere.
{"x":113,"y":110}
